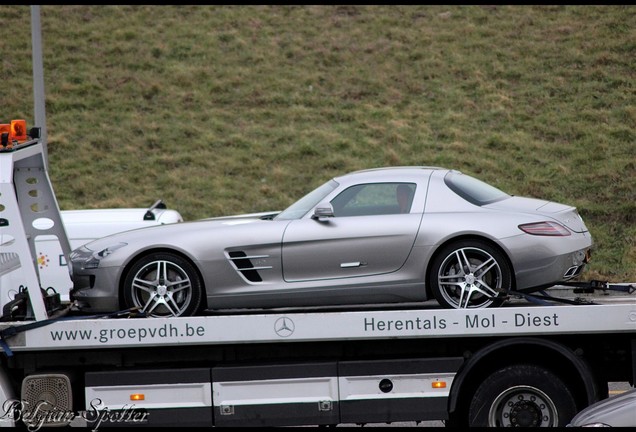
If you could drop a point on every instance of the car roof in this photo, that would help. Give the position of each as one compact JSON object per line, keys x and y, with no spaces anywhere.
{"x":389,"y":172}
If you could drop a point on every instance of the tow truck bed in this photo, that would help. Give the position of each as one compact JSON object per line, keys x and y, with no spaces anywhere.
{"x":535,"y":361}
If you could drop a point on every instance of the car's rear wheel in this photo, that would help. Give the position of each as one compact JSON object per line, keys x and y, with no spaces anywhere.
{"x":470,"y":274}
{"x":163,"y":285}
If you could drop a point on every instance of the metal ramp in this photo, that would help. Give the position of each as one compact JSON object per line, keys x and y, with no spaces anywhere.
{"x":26,"y":196}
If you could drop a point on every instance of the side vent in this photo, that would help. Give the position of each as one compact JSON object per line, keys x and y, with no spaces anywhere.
{"x":243,"y":264}
{"x":50,"y":395}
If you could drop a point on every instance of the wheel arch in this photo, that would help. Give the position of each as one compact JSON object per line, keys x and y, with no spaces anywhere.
{"x":491,"y":242}
{"x":133,"y":260}
{"x":558,"y":358}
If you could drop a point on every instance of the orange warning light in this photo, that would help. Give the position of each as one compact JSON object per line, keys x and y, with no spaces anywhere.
{"x":18,"y":130}
{"x":5,"y":132}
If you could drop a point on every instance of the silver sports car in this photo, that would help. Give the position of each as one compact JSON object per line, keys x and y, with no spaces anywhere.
{"x":387,"y":235}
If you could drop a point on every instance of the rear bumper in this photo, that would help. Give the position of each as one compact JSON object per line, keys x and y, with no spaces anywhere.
{"x":550,"y":261}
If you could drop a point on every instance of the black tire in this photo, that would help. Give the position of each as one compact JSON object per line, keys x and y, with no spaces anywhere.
{"x":163,"y":285}
{"x":522,"y":396}
{"x":470,"y":274}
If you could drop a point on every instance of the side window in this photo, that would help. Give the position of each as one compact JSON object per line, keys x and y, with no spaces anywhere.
{"x":374,"y":199}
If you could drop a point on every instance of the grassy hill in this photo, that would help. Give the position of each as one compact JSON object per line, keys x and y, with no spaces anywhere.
{"x":230,"y":109}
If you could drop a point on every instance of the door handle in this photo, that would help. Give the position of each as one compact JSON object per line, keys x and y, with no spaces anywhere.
{"x":353,"y":264}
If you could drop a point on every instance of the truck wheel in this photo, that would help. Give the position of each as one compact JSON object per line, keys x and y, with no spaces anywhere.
{"x":522,"y":396}
{"x":470,"y":274}
{"x":163,"y":285}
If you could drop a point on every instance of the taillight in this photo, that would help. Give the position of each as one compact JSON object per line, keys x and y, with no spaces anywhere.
{"x":545,"y":229}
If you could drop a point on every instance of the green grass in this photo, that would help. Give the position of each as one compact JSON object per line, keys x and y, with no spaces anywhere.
{"x":221,"y":110}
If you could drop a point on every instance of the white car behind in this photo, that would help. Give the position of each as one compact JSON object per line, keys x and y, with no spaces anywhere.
{"x":81,"y":226}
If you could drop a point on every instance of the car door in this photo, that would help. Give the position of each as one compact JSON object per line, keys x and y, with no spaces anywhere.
{"x":367,"y":235}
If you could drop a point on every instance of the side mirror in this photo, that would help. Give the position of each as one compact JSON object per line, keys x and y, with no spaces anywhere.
{"x":323,"y":211}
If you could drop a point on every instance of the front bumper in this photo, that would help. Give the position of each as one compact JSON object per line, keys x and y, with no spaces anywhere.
{"x":90,"y":297}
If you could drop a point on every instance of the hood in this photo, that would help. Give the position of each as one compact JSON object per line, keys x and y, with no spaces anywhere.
{"x":261,"y":215}
{"x":562,"y":213}
{"x":168,"y":231}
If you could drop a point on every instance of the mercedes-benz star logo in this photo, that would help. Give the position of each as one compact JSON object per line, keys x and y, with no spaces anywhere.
{"x":284,"y":327}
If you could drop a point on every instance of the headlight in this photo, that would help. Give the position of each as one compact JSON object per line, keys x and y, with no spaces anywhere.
{"x":92,"y":262}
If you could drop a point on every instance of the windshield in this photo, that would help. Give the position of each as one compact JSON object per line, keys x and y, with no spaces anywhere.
{"x":306,"y":203}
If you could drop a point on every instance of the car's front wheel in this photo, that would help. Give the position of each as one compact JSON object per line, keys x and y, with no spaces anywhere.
{"x":470,"y":274}
{"x":163,"y":284}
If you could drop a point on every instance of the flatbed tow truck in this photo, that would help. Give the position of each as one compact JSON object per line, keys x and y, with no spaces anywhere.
{"x":536,"y":361}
